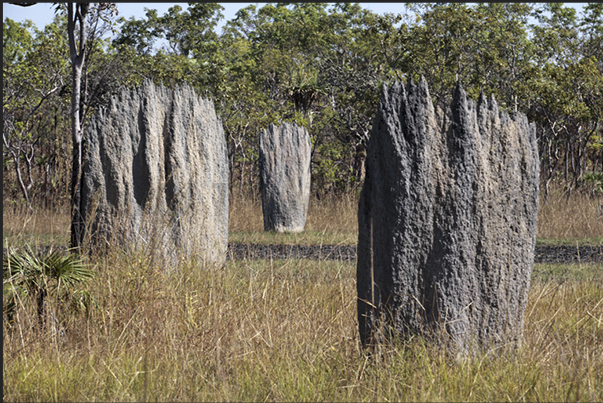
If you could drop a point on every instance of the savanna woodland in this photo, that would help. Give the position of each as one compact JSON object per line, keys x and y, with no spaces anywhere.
{"x":123,"y":327}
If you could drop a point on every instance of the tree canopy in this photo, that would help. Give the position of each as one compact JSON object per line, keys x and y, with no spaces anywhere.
{"x":320,"y":65}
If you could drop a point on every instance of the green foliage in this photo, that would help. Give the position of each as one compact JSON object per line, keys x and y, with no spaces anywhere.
{"x":320,"y":65}
{"x":594,"y":180}
{"x":314,"y":64}
{"x":34,"y":76}
{"x":566,"y":86}
{"x":16,"y":40}
{"x":189,"y":33}
{"x":190,"y":49}
{"x":485,"y":46}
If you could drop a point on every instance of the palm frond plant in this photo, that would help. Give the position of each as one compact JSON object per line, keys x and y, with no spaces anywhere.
{"x":27,"y":276}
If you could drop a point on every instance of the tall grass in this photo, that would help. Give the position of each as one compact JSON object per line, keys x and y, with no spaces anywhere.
{"x":281,"y":330}
{"x":329,"y":222}
{"x":285,"y":330}
{"x":37,"y":227}
{"x":562,"y":221}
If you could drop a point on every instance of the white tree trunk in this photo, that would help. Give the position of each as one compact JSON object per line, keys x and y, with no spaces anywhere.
{"x":77,"y":55}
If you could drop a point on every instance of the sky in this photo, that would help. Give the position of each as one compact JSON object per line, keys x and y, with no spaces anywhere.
{"x":42,"y":13}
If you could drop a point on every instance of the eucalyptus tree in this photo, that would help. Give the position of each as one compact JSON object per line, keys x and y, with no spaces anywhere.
{"x":502,"y":53}
{"x":258,"y":84}
{"x":33,"y":76}
{"x":246,"y":109}
{"x":86,"y":23}
{"x":281,"y":40}
{"x":360,"y":57}
{"x":567,"y":89}
{"x":486,"y":46}
{"x":319,"y":65}
{"x":179,"y":46}
{"x":81,"y":39}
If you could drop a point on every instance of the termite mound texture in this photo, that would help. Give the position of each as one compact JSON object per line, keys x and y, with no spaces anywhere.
{"x":285,"y":177}
{"x":155,"y":177}
{"x":447,"y":220}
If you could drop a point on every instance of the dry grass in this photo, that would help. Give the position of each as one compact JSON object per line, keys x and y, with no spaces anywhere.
{"x":579,"y":219}
{"x":336,"y":222}
{"x":280,"y":330}
{"x":285,"y":330}
{"x":39,"y":227}
{"x":329,"y":222}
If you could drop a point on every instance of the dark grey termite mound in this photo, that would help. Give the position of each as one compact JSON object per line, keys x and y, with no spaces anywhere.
{"x":156,"y":175}
{"x":447,"y":220}
{"x":285,"y":177}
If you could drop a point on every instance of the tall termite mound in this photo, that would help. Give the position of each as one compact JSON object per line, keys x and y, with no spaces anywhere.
{"x":447,"y":220}
{"x":155,"y":176}
{"x":285,"y":153}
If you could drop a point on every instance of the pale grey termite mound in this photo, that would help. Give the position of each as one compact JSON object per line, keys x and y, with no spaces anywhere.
{"x":447,"y":220}
{"x":285,"y":153}
{"x":155,"y":176}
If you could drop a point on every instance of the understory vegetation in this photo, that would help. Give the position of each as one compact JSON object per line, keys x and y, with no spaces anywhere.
{"x":276,"y":330}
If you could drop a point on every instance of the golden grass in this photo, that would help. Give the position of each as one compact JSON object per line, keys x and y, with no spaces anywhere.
{"x":285,"y":331}
{"x":335,"y":222}
{"x":38,"y":227}
{"x":329,"y":222}
{"x":580,"y":219}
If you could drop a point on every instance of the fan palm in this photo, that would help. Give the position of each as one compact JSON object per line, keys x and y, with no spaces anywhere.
{"x":26,"y":274}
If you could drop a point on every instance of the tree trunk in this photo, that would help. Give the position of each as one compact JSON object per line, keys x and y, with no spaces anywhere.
{"x":77,"y":55}
{"x":22,"y":185}
{"x":76,"y":162}
{"x":41,"y":298}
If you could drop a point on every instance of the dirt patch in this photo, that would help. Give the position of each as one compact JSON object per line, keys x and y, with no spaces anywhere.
{"x":543,"y":254}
